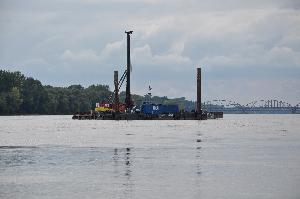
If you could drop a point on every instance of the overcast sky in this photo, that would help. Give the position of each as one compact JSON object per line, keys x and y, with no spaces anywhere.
{"x":248,"y":50}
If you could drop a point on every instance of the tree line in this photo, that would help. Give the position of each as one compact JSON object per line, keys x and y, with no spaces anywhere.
{"x":25,"y":95}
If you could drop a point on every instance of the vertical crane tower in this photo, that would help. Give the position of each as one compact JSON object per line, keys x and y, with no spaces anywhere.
{"x":128,"y":101}
{"x":199,"y":110}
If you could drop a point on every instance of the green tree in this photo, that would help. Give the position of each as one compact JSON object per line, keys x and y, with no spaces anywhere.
{"x":8,"y":80}
{"x":51,"y":100}
{"x":14,"y":100}
{"x":3,"y":103}
{"x":97,"y":93}
{"x":33,"y":93}
{"x":25,"y":95}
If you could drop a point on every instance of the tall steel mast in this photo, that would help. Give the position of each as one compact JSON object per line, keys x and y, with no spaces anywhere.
{"x":128,"y":101}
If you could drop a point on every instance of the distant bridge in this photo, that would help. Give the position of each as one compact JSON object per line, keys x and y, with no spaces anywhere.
{"x":257,"y":106}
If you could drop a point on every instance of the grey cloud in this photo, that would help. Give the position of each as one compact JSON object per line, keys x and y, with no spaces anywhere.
{"x":65,"y":42}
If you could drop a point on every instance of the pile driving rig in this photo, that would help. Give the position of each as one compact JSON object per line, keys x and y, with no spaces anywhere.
{"x":114,"y":110}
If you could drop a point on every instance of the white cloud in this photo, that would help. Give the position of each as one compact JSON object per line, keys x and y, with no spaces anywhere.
{"x":177,"y":47}
{"x":148,"y":30}
{"x":170,"y":59}
{"x":281,"y":56}
{"x":112,"y":48}
{"x":142,"y":54}
{"x":231,"y":40}
{"x":82,"y":56}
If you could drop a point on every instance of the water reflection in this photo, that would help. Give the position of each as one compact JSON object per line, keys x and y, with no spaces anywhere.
{"x":127,"y":161}
{"x":198,"y":157}
{"x":11,"y":156}
{"x":123,"y":161}
{"x":198,"y":169}
{"x":128,"y":173}
{"x":116,"y":163}
{"x":198,"y":154}
{"x":18,"y":147}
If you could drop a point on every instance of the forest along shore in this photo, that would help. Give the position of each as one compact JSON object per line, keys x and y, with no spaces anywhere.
{"x":21,"y":95}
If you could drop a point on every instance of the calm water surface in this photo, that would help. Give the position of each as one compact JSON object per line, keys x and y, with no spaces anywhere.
{"x":240,"y":156}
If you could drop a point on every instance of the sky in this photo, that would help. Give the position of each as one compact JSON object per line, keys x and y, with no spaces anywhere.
{"x":248,"y":50}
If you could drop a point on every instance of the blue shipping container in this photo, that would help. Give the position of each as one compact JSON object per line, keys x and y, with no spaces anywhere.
{"x":159,"y":109}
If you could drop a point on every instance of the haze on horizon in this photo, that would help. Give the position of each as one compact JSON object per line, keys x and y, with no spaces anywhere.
{"x":248,"y":50}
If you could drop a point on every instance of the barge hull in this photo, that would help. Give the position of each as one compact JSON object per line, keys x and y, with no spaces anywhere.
{"x":136,"y":116}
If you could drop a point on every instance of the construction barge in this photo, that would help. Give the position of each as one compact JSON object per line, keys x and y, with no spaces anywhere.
{"x":114,"y":110}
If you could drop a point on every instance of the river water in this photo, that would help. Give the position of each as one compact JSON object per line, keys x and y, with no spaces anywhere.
{"x":239,"y":156}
